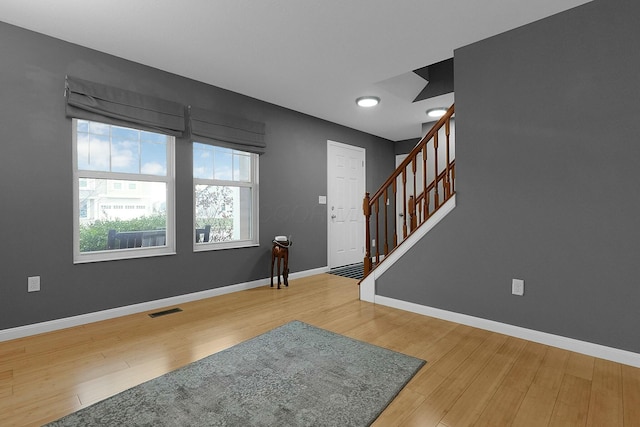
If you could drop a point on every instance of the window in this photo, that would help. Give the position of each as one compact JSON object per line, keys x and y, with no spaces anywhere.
{"x":225,"y":197}
{"x":111,"y":222}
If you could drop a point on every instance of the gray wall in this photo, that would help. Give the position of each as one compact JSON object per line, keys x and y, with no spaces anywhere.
{"x":548,"y":168}
{"x":405,"y":146}
{"x":36,"y":186}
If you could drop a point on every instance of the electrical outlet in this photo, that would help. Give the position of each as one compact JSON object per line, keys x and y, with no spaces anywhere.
{"x":517,"y":287}
{"x":373,"y":243}
{"x":33,"y":284}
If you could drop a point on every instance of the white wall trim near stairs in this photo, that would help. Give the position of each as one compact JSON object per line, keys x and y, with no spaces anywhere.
{"x":583,"y":347}
{"x":83,"y":319}
{"x":368,"y":293}
{"x":368,"y":285}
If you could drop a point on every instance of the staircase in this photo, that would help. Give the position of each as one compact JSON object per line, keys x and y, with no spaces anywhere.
{"x":412,"y":200}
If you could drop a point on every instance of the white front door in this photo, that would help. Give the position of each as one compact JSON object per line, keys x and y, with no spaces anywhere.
{"x":345,"y":192}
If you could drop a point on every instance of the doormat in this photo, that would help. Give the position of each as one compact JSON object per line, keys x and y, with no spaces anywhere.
{"x":353,"y":271}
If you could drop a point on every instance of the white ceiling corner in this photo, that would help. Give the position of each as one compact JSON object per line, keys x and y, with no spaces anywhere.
{"x":311,"y":56}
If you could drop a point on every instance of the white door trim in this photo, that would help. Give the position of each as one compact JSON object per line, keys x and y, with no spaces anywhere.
{"x":364,"y":186}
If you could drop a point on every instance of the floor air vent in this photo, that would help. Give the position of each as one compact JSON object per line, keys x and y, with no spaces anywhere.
{"x":165,"y":312}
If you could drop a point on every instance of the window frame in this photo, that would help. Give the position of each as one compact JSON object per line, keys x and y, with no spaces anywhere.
{"x":254,"y":185}
{"x":169,"y":179}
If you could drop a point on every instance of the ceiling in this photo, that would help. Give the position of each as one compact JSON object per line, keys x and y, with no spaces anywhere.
{"x":311,"y":56}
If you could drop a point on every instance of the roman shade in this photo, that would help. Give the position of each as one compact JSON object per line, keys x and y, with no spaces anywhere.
{"x":95,"y":101}
{"x":215,"y":128}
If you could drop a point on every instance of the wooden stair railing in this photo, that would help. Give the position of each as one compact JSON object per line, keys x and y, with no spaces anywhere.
{"x":430,"y":171}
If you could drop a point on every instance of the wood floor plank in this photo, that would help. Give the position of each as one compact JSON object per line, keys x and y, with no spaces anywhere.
{"x":402,"y":337}
{"x":503,"y":406}
{"x":6,"y":383}
{"x":43,"y":383}
{"x":472,"y":376}
{"x":472,"y":402}
{"x":445,"y":396}
{"x":455,"y":351}
{"x":401,"y":408}
{"x":36,"y":412}
{"x":431,"y":331}
{"x":631,"y":395}
{"x":10,"y":354}
{"x":581,"y":366}
{"x":605,"y":406}
{"x":539,"y":401}
{"x":572,"y":404}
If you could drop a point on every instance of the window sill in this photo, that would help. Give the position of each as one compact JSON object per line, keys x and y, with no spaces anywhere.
{"x":121,"y":254}
{"x":205,"y":247}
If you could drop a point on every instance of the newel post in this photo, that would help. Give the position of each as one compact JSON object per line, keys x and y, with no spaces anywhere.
{"x":367,"y":245}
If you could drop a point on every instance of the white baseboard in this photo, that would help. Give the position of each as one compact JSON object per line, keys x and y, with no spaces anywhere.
{"x":583,"y":347}
{"x":83,"y":319}
{"x":307,"y":273}
{"x":368,"y":293}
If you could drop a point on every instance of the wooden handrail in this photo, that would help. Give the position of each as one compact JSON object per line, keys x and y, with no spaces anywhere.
{"x":417,"y":206}
{"x":416,"y":150}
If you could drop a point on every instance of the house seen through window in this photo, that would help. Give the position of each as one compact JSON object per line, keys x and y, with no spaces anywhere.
{"x":124,"y":187}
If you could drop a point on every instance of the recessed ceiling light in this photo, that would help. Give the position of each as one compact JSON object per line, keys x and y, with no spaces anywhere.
{"x":368,"y":101}
{"x":436,"y":112}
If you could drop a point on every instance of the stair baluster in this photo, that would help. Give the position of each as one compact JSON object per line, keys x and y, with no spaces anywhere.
{"x":416,"y":205}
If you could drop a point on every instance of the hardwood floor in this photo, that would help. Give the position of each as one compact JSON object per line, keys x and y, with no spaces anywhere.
{"x":473,"y":377}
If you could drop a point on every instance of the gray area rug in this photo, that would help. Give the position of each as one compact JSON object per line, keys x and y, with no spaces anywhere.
{"x":294,"y":375}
